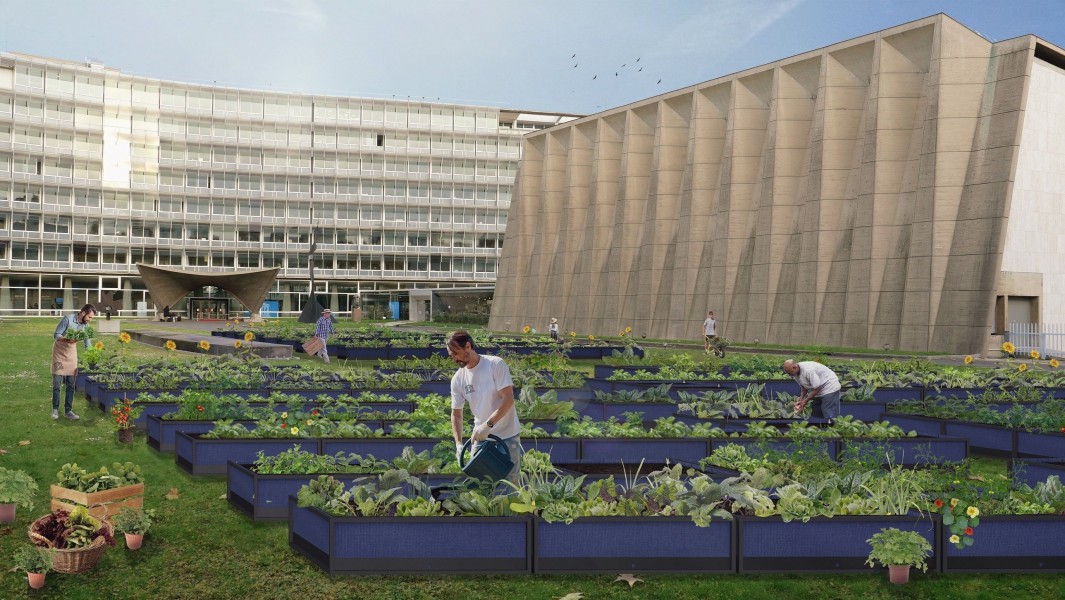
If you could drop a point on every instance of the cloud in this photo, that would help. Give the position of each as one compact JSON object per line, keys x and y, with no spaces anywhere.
{"x":307,"y":13}
{"x":722,"y":27}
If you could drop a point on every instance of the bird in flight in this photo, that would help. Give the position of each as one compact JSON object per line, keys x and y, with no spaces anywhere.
{"x":659,"y":81}
{"x":575,"y":66}
{"x":574,"y":56}
{"x":594,"y":76}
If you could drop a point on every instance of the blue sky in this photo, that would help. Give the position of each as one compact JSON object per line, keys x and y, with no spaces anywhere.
{"x":508,"y":53}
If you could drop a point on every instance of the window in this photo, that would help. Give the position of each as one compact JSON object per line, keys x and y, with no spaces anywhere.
{"x":170,"y":204}
{"x":140,"y":229}
{"x":25,"y":222}
{"x":249,"y":233}
{"x":197,"y":231}
{"x":116,"y":200}
{"x":116,"y":227}
{"x":170,"y":231}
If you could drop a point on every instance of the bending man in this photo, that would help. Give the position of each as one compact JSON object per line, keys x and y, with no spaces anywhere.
{"x":818,"y":383}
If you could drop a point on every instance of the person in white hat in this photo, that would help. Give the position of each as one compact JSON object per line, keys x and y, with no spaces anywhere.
{"x":552,"y":328}
{"x":323,"y":328}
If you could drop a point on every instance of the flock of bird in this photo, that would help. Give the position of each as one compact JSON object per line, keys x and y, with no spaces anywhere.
{"x":636,"y":65}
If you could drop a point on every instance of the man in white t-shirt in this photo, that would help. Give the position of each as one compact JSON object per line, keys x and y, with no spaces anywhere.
{"x":818,"y":383}
{"x":484,"y":382}
{"x":709,"y":331}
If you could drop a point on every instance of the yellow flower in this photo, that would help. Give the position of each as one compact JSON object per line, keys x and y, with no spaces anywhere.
{"x":573,"y":334}
{"x":284,"y":415}
{"x":969,"y":360}
{"x":1034,"y":354}
{"x":526,"y":329}
{"x":591,"y":337}
{"x":295,"y":431}
{"x":973,"y":512}
{"x":1054,"y":363}
{"x":205,"y":345}
{"x":238,"y":344}
{"x":310,"y":421}
{"x":1008,"y":348}
{"x":170,"y":345}
{"x":249,"y":336}
{"x":622,"y":334}
{"x":98,"y":345}
{"x":124,"y":337}
{"x":628,"y":330}
{"x":1022,"y":367}
{"x":954,"y":539}
{"x":953,"y":502}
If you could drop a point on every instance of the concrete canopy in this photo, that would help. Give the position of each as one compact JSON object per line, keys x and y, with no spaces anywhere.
{"x":167,"y":286}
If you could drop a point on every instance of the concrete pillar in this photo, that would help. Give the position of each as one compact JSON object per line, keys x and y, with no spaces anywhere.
{"x":68,"y":297}
{"x":5,"y":294}
{"x":128,"y":303}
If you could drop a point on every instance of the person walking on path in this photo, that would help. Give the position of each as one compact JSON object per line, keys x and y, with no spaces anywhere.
{"x":818,"y":383}
{"x":709,"y":331}
{"x":65,"y":358}
{"x":484,"y":382}
{"x":323,"y":328}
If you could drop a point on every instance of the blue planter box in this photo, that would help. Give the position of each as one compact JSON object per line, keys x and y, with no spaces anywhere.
{"x":199,"y":456}
{"x":381,"y":448}
{"x":984,"y":439}
{"x":653,"y":450}
{"x":363,"y":353}
{"x":961,"y":393}
{"x":926,"y":426}
{"x":560,"y":449}
{"x":864,"y":411}
{"x":650,"y":410}
{"x":1034,"y":470}
{"x":162,"y":432}
{"x":265,"y":497}
{"x":1014,"y":544}
{"x":378,"y":545}
{"x":898,"y":394}
{"x":1048,"y":445}
{"x":907,"y":451}
{"x":769,"y":545}
{"x":633,"y":544}
{"x":758,"y":446}
{"x":604,"y":371}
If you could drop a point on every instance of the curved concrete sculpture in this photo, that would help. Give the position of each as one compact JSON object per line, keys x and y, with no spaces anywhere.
{"x":168,"y":286}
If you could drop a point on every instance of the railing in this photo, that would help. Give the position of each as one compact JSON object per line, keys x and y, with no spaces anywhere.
{"x":1044,"y":337}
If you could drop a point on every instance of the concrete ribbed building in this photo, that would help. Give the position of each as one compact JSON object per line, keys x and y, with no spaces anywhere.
{"x":901,"y":189}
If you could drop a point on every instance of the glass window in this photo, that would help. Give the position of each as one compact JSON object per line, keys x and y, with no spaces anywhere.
{"x":170,"y":204}
{"x":116,"y":200}
{"x":225,"y":103}
{"x":172,"y":98}
{"x":199,"y":100}
{"x":140,"y":229}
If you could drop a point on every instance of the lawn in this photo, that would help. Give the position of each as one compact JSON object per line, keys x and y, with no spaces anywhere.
{"x":201,"y":548}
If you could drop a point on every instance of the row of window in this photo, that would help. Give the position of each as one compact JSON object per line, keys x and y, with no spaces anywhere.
{"x":437,"y":263}
{"x":248,"y":104}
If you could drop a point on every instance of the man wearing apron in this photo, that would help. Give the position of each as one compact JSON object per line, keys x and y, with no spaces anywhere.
{"x":65,"y":358}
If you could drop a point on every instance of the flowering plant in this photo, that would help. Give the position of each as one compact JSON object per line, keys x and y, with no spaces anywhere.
{"x":960,"y":519}
{"x":1008,"y":349}
{"x":124,"y":414}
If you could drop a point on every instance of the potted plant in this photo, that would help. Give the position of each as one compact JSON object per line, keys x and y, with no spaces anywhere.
{"x":134,"y":522}
{"x":17,"y":488}
{"x":124,"y":417}
{"x":35,"y":562}
{"x":898,"y":551}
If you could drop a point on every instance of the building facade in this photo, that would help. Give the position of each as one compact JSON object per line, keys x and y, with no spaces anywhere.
{"x":101,"y":170}
{"x":898,"y":190}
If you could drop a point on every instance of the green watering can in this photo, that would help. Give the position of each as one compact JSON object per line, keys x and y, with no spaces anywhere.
{"x":491,"y":461}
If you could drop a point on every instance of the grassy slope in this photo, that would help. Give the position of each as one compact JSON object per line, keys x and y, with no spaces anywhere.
{"x":201,"y":548}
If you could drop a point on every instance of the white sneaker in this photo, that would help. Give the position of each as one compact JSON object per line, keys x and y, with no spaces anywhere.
{"x":72,"y":416}
{"x":55,"y":414}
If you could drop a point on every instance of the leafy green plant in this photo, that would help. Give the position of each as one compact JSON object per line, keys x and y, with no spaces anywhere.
{"x":17,"y":487}
{"x":73,"y":477}
{"x":33,"y":559}
{"x":960,"y":519}
{"x":893,"y":547}
{"x":133,"y":520}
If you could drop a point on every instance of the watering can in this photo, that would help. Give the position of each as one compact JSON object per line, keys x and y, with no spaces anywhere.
{"x":491,"y":460}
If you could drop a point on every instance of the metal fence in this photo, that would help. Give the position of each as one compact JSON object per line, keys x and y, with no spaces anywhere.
{"x":1047,"y":338}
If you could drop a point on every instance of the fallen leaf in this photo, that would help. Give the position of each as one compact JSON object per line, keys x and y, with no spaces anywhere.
{"x":222,"y":497}
{"x":172,"y":494}
{"x":24,"y":443}
{"x":976,"y":477}
{"x":628,"y":578}
{"x":2,"y":451}
{"x":572,"y":596}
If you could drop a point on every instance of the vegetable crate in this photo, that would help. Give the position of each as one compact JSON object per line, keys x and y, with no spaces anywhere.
{"x":102,"y":505}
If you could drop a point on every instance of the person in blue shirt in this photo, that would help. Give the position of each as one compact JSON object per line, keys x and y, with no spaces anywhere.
{"x":323,"y":328}
{"x":65,"y":358}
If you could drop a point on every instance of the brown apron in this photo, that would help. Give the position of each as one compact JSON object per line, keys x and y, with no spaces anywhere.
{"x":64,"y":358}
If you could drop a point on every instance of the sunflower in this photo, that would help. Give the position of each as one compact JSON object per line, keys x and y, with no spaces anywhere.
{"x":98,"y":345}
{"x":591,"y":337}
{"x":249,"y":336}
{"x":1053,"y":363}
{"x":628,"y":330}
{"x":170,"y":345}
{"x":1022,"y":367}
{"x":1034,"y":354}
{"x":969,"y":360}
{"x":573,"y":334}
{"x":124,"y":338}
{"x":237,"y":344}
{"x":1008,"y":348}
{"x":205,"y":345}
{"x":526,"y":329}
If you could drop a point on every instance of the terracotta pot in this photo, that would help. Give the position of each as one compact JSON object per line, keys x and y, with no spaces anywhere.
{"x":7,"y":513}
{"x":899,"y":573}
{"x":36,"y":580}
{"x":125,"y":436}
{"x":134,"y":540}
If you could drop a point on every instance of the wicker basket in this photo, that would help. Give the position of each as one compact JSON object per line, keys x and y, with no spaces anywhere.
{"x":73,"y":560}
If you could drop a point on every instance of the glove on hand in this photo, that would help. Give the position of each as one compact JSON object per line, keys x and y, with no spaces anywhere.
{"x":458,"y":452}
{"x":480,"y":433}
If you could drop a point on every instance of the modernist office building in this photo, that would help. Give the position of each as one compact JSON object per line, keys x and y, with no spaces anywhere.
{"x":903,"y":189}
{"x":100,"y":170}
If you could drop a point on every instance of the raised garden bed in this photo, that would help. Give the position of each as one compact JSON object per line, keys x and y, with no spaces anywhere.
{"x":1014,"y":544}
{"x":103,"y":504}
{"x":197,"y":455}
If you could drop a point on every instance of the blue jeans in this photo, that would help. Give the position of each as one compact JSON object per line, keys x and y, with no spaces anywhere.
{"x":514,"y":446}
{"x":57,"y":382}
{"x":825,"y":407}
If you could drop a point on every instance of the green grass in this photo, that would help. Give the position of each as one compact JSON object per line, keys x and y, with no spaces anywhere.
{"x":201,"y":548}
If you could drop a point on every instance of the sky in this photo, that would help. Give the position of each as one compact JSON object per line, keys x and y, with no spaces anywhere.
{"x":574,"y":56}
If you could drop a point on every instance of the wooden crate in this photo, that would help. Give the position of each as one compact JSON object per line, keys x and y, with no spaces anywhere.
{"x":102,"y":505}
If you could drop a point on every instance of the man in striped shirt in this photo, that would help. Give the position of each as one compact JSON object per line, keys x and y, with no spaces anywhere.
{"x":323,"y":328}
